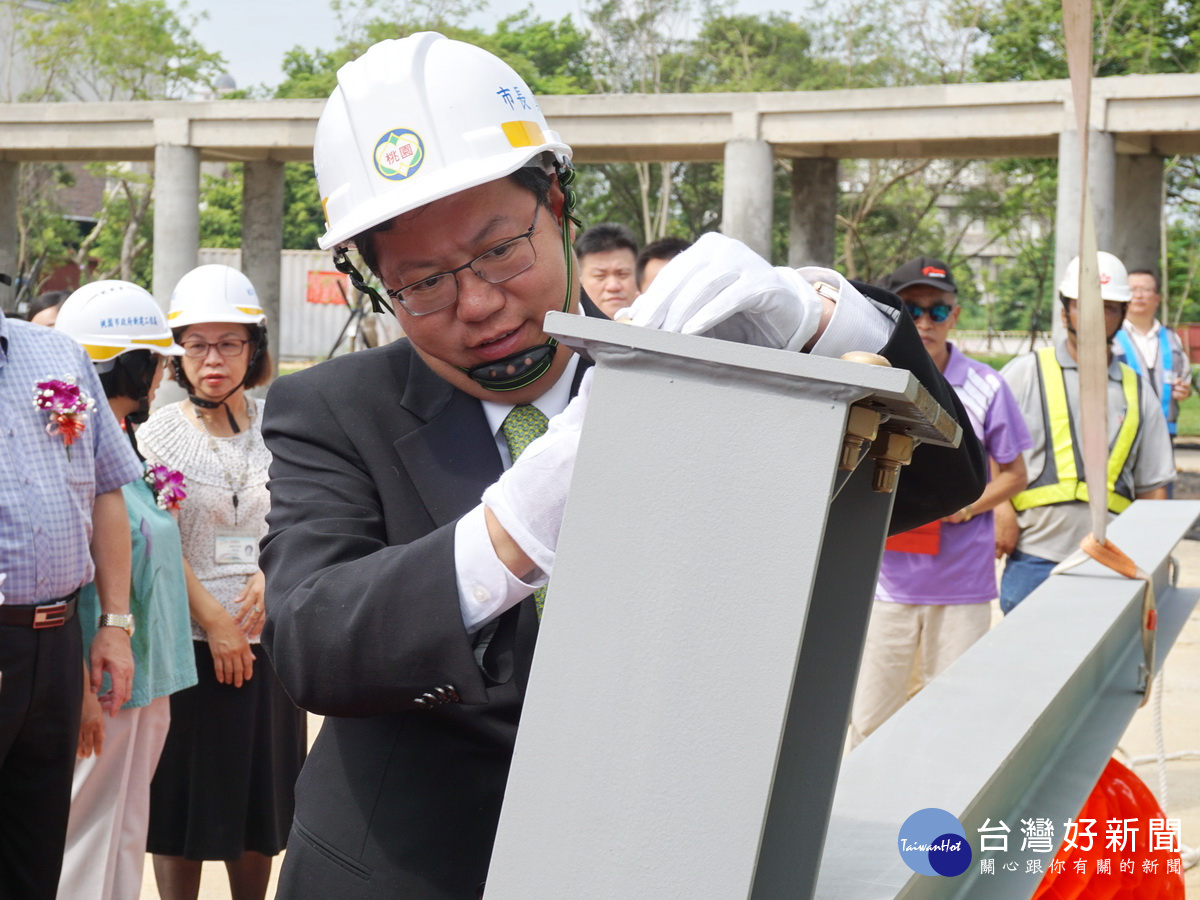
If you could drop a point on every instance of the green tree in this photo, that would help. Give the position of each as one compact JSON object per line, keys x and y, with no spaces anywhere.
{"x":737,"y":52}
{"x":1022,"y":40}
{"x":105,"y":50}
{"x":308,"y":74}
{"x":221,"y":208}
{"x":115,"y":50}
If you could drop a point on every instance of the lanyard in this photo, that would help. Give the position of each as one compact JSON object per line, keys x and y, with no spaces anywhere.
{"x":1165,"y":359}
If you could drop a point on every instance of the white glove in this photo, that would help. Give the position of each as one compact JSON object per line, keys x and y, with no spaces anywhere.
{"x":529,"y":498}
{"x":3,"y":577}
{"x":721,"y":288}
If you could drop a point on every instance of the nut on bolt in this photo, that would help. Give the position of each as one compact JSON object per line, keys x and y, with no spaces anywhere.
{"x":861,"y":426}
{"x":890,"y":451}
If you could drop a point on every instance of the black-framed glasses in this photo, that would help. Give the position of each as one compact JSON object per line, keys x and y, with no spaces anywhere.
{"x":227,"y":347}
{"x":938,"y":312}
{"x":506,"y":260}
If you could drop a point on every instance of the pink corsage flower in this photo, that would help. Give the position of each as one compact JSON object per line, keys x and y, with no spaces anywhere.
{"x":168,"y":486}
{"x":67,"y":405}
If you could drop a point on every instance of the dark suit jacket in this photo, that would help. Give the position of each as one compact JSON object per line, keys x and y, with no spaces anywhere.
{"x":375,"y":458}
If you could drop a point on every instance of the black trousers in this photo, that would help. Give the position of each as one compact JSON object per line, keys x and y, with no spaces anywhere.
{"x":41,"y":690}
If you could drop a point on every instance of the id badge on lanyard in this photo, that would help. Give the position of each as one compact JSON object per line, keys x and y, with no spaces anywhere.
{"x":235,"y":548}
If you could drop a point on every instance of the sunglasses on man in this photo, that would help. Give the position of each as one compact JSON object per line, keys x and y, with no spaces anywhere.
{"x":938,"y":312}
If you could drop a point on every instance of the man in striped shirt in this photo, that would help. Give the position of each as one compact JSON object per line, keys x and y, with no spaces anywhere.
{"x":62,"y":524}
{"x":933,"y":597}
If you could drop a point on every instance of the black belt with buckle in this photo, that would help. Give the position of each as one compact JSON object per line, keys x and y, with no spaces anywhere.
{"x":43,"y":615}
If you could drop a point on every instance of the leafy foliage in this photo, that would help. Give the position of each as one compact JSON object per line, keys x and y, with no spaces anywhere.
{"x":115,"y":50}
{"x":107,"y":50}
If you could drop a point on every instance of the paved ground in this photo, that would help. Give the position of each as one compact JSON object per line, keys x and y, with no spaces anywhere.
{"x":1180,"y":723}
{"x":1180,"y":695}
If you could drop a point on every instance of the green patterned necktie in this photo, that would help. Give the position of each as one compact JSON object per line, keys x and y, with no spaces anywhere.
{"x":522,"y":426}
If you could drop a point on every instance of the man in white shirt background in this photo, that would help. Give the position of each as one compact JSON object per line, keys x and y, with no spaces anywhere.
{"x":1153,"y":349}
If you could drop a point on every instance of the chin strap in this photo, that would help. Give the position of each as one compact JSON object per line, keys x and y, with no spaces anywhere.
{"x":341,"y":262}
{"x":525,"y":367}
{"x":213,"y":404}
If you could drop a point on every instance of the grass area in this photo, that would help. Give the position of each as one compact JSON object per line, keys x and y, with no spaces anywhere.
{"x":289,"y":368}
{"x":997,"y":361}
{"x":1189,"y":416}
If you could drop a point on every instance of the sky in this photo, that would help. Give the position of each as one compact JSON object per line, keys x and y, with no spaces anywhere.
{"x":254,"y":36}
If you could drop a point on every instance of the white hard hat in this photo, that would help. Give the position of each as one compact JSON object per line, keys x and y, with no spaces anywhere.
{"x":418,"y":119}
{"x":114,"y":317}
{"x":214,"y":293}
{"x":1114,"y":280}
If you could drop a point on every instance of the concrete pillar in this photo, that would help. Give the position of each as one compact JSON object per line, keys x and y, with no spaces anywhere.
{"x":746,"y":203}
{"x":1137,"y":224}
{"x":9,"y":182}
{"x":262,"y":238}
{"x":176,"y":216}
{"x":1101,"y":180}
{"x":814,"y":212}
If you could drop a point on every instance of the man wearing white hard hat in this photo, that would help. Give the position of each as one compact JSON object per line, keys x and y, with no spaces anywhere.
{"x":1044,"y":524}
{"x":400,"y":606}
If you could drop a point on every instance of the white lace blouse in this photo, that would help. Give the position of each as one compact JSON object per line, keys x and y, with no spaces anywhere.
{"x":211,"y":526}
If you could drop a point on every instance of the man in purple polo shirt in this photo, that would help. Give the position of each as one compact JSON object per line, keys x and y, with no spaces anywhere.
{"x":933,"y":597}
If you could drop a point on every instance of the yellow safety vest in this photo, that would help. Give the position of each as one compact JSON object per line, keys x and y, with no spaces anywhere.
{"x":1059,"y":481}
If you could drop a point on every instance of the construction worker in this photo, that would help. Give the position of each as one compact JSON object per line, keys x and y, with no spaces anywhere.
{"x":1045,"y":523}
{"x":400,"y":606}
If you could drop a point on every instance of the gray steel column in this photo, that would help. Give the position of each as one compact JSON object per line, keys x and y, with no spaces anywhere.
{"x":176,"y":215}
{"x":1137,"y":237}
{"x":262,"y":238}
{"x":9,"y":182}
{"x":814,"y":212}
{"x":746,"y":203}
{"x":1101,"y":180}
{"x":683,"y":723}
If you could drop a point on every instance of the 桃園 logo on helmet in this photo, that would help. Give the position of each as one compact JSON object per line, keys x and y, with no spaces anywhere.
{"x":398,"y":154}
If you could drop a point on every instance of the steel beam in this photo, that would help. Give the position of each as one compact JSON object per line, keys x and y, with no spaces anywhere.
{"x":1018,"y":727}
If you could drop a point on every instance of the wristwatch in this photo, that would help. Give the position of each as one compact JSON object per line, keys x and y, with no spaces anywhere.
{"x":123,"y":621}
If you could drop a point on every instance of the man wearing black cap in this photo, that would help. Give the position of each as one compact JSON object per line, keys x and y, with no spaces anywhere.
{"x":933,"y":597}
{"x":927,"y":282}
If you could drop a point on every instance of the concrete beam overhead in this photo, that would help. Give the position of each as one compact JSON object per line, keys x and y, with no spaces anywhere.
{"x":1147,"y":114}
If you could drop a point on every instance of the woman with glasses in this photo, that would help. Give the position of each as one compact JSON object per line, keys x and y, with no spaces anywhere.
{"x":223,"y":790}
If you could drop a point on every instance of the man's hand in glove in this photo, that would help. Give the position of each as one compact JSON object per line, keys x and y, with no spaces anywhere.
{"x":721,"y":288}
{"x":527,"y":502}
